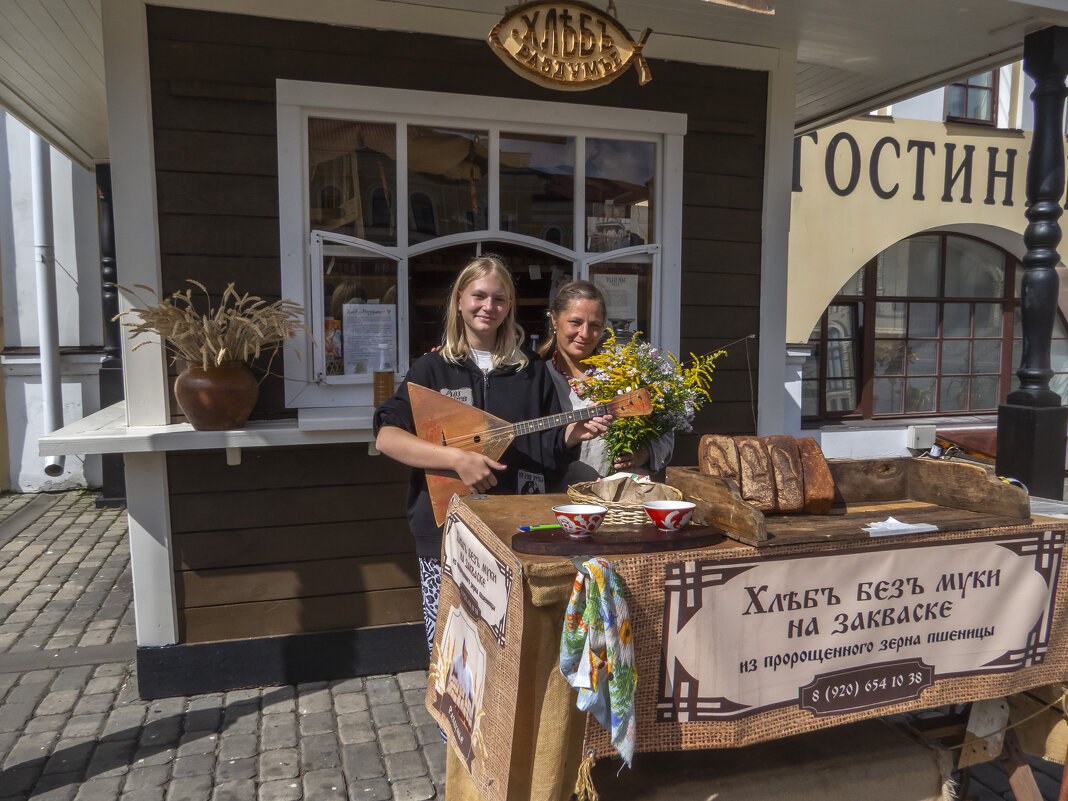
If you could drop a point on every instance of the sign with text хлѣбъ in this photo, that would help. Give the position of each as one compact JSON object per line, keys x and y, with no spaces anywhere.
{"x":852,"y":630}
{"x":570,"y":46}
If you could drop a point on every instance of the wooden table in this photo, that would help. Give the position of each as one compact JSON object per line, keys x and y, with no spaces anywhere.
{"x":547,"y":743}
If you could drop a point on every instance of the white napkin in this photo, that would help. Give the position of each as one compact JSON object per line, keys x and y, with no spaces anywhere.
{"x":890,"y":527}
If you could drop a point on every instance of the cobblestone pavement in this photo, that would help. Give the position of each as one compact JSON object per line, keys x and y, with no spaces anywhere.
{"x":72,"y":726}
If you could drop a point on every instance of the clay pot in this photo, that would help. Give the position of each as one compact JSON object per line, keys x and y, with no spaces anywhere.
{"x":216,"y":398}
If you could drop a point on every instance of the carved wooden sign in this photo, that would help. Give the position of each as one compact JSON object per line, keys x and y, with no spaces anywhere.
{"x":570,"y":46}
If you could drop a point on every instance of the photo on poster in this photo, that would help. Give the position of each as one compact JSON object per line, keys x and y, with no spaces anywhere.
{"x":458,"y":676}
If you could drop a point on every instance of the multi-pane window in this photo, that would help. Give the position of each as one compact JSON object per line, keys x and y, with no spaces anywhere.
{"x":926,"y":327}
{"x":381,"y":207}
{"x":974,"y":99}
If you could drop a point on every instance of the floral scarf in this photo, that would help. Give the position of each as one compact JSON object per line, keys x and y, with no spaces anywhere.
{"x":597,"y":652}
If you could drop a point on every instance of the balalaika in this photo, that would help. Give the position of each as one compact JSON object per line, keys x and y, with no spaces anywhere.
{"x":446,"y":421}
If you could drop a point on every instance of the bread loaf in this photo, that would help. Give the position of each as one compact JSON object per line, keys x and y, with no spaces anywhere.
{"x":718,"y":456}
{"x":786,"y":469}
{"x":819,"y":484}
{"x":757,"y":478}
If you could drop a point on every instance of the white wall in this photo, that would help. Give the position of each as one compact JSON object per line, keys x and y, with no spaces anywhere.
{"x":80,"y":317}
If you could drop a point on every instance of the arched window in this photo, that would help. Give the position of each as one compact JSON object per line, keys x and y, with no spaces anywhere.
{"x":929,"y":326}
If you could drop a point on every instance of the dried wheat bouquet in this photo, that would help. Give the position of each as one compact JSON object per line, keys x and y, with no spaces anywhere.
{"x":240,"y":329}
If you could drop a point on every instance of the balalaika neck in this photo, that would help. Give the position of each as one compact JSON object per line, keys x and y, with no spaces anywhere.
{"x":557,"y":420}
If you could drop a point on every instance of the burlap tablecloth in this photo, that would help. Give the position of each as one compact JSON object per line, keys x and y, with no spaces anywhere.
{"x":548,"y":730}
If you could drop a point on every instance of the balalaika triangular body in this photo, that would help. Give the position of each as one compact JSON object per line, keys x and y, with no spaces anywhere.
{"x":446,"y":421}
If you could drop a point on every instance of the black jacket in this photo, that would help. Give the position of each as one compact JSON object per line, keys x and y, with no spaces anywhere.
{"x":535,"y":461}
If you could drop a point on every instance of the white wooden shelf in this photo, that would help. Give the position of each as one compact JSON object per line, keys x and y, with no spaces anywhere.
{"x":106,"y":432}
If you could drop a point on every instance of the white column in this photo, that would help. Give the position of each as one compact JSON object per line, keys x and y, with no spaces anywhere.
{"x":149,"y":511}
{"x":133,"y":183}
{"x":774,"y":251}
{"x":795,"y":361}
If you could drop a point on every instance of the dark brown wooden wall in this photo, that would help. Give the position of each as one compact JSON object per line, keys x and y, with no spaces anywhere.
{"x":213,"y":79}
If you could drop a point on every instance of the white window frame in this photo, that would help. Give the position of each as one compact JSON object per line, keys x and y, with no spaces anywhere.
{"x":306,"y":388}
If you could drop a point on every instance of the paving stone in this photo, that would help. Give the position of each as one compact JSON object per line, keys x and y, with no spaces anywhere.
{"x":144,"y":794}
{"x":382,"y":690}
{"x":193,"y":765}
{"x":153,"y":755}
{"x":281,"y":790}
{"x":204,"y":712}
{"x":352,"y":685}
{"x":404,"y":765}
{"x":420,"y":715}
{"x":197,"y":743}
{"x":434,"y":754}
{"x":20,"y":780}
{"x":420,"y":789}
{"x":194,"y":788}
{"x":412,"y":680}
{"x":124,"y":723}
{"x":72,"y":678}
{"x":244,"y":790}
{"x":40,"y":723}
{"x":102,"y":684}
{"x":97,"y":703}
{"x":30,"y":750}
{"x":350,"y":702}
{"x":389,"y":714}
{"x":235,"y":770}
{"x":30,"y":693}
{"x":241,"y":719}
{"x":245,"y":696}
{"x":316,"y":723}
{"x":143,"y":778}
{"x":99,"y":788}
{"x":325,"y":785}
{"x":355,"y":727}
{"x":237,"y":746}
{"x":70,"y":755}
{"x":278,"y":699}
{"x":370,"y":790}
{"x":362,"y":761}
{"x":394,"y":739}
{"x":318,"y":752}
{"x":84,"y":725}
{"x":13,"y":716}
{"x":160,"y":733}
{"x":56,"y":787}
{"x":111,"y":759}
{"x":278,"y":731}
{"x":281,"y":763}
{"x":314,"y":701}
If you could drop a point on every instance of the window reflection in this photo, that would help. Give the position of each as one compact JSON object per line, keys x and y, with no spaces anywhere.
{"x":619,"y":191}
{"x":447,"y":181}
{"x":352,"y":169}
{"x":627,"y":289}
{"x":359,"y":310}
{"x":538,"y":186}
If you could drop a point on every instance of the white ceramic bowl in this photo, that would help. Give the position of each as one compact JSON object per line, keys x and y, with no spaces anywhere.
{"x":579,"y":519}
{"x":669,"y":515}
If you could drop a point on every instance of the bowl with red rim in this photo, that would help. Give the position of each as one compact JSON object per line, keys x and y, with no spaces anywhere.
{"x":669,"y":515}
{"x":579,"y":519}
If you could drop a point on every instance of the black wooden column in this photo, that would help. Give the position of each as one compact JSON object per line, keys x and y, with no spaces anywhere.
{"x":1033,"y":424}
{"x":113,"y":491}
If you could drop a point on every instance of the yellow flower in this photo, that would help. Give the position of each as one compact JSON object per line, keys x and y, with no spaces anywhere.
{"x":625,"y":633}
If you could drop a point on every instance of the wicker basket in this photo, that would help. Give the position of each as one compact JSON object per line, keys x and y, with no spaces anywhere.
{"x":619,"y":513}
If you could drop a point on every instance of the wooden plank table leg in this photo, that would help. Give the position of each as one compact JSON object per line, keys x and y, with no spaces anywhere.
{"x":1021,"y":780}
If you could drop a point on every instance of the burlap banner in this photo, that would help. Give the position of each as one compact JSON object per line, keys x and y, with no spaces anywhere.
{"x":472,"y":684}
{"x":738,"y":650}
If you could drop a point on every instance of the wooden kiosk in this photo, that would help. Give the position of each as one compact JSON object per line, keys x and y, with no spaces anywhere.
{"x":740,"y":643}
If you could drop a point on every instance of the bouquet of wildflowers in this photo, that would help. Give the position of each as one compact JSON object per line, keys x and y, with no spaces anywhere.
{"x":676,"y":391}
